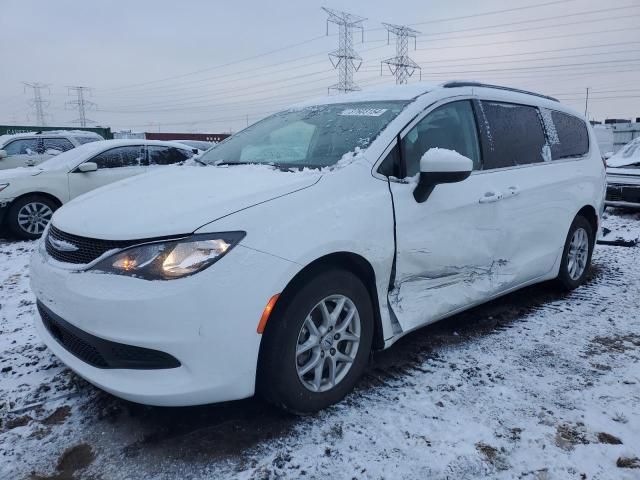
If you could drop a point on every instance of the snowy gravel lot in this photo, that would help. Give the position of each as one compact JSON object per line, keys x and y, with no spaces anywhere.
{"x":537,"y":385}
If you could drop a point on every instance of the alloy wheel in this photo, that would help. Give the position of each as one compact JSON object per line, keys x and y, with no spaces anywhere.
{"x":578,"y":253}
{"x":34,"y":217}
{"x":328,"y":343}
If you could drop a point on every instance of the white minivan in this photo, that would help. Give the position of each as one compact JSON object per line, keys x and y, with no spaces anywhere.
{"x":314,"y":236}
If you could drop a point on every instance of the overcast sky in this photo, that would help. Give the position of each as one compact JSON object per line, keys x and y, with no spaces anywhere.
{"x":212,"y":66}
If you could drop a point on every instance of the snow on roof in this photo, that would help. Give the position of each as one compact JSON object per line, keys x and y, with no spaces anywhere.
{"x":627,"y":155}
{"x":55,"y":133}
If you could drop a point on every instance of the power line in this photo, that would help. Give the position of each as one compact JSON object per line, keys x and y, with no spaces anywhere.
{"x":309,"y":56}
{"x":37,"y":102}
{"x":401,"y":66}
{"x":270,"y":52}
{"x":535,"y":20}
{"x":542,"y":27}
{"x":310,"y":40}
{"x":493,"y":12}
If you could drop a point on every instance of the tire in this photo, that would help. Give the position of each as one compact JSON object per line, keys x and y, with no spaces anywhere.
{"x":279,"y":380}
{"x":39,"y":206}
{"x":571,"y":276}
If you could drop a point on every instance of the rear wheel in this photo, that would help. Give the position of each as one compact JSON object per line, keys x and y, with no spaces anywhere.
{"x":29,"y":216}
{"x":576,"y":257}
{"x":318,"y":345}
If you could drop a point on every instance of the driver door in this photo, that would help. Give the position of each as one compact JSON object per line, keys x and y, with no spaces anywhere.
{"x":447,"y":248}
{"x":115,"y":164}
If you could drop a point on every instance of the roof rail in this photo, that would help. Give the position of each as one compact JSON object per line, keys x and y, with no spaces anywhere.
{"x":497,"y":87}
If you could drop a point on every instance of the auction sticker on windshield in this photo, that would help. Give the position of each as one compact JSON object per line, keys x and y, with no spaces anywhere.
{"x":363,"y":112}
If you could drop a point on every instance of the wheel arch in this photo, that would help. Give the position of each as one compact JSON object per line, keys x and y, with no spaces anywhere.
{"x":589,"y":212}
{"x":38,"y":194}
{"x":349,"y":261}
{"x":5,"y":221}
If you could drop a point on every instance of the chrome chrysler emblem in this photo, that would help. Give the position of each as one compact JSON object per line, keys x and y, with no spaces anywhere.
{"x":61,"y":245}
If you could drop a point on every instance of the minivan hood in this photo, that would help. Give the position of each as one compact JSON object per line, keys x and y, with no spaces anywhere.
{"x":175,"y":200}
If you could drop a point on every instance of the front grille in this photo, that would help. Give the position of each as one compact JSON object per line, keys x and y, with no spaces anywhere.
{"x":82,"y":250}
{"x":65,"y":337}
{"x":614,"y":194}
{"x":623,"y":193}
{"x":101,"y":353}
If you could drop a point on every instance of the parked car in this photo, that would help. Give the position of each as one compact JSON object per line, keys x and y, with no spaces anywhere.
{"x":29,"y":196}
{"x":29,"y":149}
{"x":623,"y":176}
{"x":316,"y":235}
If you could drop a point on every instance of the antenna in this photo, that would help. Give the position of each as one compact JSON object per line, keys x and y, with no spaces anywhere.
{"x":37,"y":102}
{"x":81,"y":104}
{"x":401,"y":66}
{"x":345,"y":59}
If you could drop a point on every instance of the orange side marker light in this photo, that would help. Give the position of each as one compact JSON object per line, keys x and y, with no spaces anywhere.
{"x":266,"y":312}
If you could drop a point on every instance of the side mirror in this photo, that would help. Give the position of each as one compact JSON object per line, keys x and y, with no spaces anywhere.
{"x":52,"y":151}
{"x":3,"y":154}
{"x":88,"y":167}
{"x":439,"y":165}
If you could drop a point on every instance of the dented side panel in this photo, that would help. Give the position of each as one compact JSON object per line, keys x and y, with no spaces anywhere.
{"x":448,"y":250}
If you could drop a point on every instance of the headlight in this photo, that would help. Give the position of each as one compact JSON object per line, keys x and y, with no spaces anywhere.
{"x":3,"y":186}
{"x":170,"y":259}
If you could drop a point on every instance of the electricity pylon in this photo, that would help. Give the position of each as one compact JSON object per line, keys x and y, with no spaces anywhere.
{"x":37,"y":102}
{"x":81,"y":104}
{"x":345,"y":59}
{"x":401,"y":66}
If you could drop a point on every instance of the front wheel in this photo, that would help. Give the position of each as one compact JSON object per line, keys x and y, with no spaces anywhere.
{"x":576,"y":256}
{"x":318,"y":345}
{"x":29,"y":216}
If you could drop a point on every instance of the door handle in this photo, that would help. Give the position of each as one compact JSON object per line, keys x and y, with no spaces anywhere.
{"x":513,"y":191}
{"x":490,"y":197}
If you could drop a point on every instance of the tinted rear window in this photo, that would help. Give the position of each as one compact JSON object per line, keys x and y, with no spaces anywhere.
{"x":511,"y":134}
{"x":568,"y":135}
{"x":83,"y":140}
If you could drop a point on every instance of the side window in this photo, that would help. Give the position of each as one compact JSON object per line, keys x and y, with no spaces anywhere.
{"x":130,"y":156}
{"x":83,"y":140}
{"x":511,"y":135}
{"x":451,"y":126}
{"x":568,"y":135}
{"x":22,"y":147}
{"x":60,"y":144}
{"x":166,"y":155}
{"x":390,"y":165}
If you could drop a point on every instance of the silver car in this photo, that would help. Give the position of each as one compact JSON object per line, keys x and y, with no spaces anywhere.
{"x":32,"y":148}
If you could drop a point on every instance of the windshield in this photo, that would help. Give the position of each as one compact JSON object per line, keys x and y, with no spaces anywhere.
{"x":316,"y":136}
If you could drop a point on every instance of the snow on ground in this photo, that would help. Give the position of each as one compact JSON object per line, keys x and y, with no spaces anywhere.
{"x":537,"y":385}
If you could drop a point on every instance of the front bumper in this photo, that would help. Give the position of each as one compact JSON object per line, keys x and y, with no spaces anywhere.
{"x":207,"y":322}
{"x":4,"y":208}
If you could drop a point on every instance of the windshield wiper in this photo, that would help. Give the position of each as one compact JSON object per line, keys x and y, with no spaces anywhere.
{"x":218,"y":164}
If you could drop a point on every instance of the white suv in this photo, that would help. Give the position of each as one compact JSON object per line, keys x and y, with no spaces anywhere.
{"x":316,"y":235}
{"x":29,"y":149}
{"x":29,"y":196}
